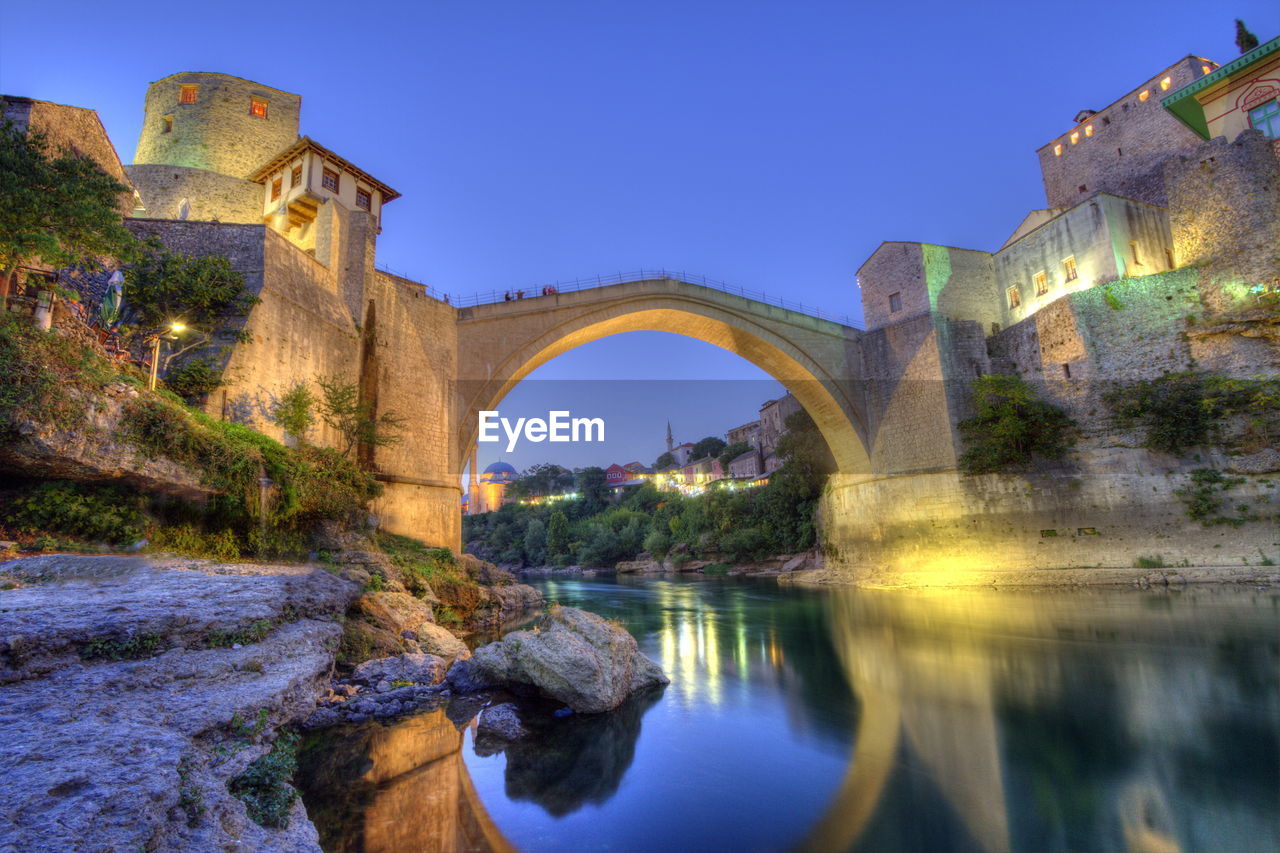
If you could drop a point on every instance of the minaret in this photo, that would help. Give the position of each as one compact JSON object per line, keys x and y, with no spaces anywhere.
{"x":473,"y":490}
{"x":671,"y":443}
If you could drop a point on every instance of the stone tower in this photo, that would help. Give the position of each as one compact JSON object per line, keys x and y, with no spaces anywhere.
{"x":216,"y":122}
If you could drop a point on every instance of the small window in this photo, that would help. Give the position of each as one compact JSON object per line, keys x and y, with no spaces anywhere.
{"x":1084,"y":188}
{"x":1144,"y":94}
{"x":1066,"y":371}
{"x":168,"y":125}
{"x":1075,"y":137}
{"x":1266,"y":118}
{"x":187,"y":94}
{"x":275,"y":188}
{"x":1205,"y":69}
{"x":1057,"y":150}
{"x":330,"y":180}
{"x":1088,"y":130}
{"x":1015,"y":298}
{"x":1165,"y":84}
{"x":1042,"y":283}
{"x":296,"y":178}
{"x":895,"y":302}
{"x":1069,"y":269}
{"x":258,"y":107}
{"x":363,"y":200}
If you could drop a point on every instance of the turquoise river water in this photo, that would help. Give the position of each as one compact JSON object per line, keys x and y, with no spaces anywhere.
{"x":857,"y":720}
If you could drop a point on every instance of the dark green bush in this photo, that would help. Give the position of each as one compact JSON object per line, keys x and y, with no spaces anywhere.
{"x":264,"y":786}
{"x":1180,"y":411}
{"x":1012,"y":427}
{"x":193,"y":380}
{"x":100,"y":513}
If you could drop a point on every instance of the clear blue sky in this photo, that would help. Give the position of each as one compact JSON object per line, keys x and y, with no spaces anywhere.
{"x":773,"y":145}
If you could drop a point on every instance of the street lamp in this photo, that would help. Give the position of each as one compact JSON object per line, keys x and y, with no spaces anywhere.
{"x":176,"y":327}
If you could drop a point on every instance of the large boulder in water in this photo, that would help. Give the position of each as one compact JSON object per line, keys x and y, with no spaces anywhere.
{"x":588,"y":663}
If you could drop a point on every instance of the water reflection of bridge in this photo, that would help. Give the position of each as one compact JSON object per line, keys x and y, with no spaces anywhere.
{"x":396,"y":789}
{"x":938,"y":675}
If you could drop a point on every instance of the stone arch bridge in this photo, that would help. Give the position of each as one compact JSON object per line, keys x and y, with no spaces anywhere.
{"x":818,"y":360}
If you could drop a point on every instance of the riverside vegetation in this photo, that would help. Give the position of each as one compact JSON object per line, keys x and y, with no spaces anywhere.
{"x":777,"y":518}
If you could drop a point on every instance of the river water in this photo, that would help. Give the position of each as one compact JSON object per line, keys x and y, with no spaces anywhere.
{"x":857,"y":720}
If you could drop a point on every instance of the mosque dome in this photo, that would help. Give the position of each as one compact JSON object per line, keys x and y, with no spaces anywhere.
{"x":498,"y":472}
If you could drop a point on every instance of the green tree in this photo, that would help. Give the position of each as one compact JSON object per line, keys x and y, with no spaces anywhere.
{"x":1245,"y":40}
{"x":57,"y":207}
{"x":709,"y":446}
{"x":732,"y":452}
{"x":535,"y":542}
{"x":294,"y":411}
{"x":557,"y":535}
{"x":664,"y":462}
{"x":593,"y":490}
{"x":165,"y":287}
{"x":804,"y":451}
{"x":354,"y":418}
{"x":1011,"y":427}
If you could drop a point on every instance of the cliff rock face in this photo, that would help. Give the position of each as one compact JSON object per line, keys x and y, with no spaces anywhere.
{"x":94,"y":451}
{"x":137,"y":689}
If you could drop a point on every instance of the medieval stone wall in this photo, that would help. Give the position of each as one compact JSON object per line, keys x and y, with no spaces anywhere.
{"x":1225,"y":215}
{"x":959,"y":284}
{"x":210,"y":196}
{"x":217,"y":132}
{"x":71,"y":129}
{"x":1113,"y":506}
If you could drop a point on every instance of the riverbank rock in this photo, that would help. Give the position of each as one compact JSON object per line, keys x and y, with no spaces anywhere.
{"x":576,"y":657}
{"x":646,"y":567}
{"x":412,"y":668}
{"x":139,"y":688}
{"x":501,"y":721}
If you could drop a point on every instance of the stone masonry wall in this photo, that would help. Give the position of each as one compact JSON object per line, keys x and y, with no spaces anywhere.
{"x":1225,"y":215}
{"x":210,"y":196}
{"x":1131,"y":141}
{"x":959,"y":284}
{"x":217,"y":132}
{"x":72,"y":129}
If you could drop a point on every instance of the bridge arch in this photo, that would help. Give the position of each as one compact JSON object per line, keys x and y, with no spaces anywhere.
{"x":816,"y":360}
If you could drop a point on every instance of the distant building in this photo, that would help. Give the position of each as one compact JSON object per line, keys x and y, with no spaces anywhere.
{"x":492,"y":491}
{"x":631,"y":474}
{"x":747,"y":433}
{"x":746,"y":466}
{"x":681,"y":454}
{"x":773,"y":423}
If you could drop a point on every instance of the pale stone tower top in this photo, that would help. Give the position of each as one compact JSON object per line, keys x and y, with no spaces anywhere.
{"x":217,"y":122}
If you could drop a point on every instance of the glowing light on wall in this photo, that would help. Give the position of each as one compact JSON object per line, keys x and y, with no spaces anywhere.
{"x":1057,"y":150}
{"x":1165,"y":84}
{"x":1144,"y":94}
{"x":1075,"y":137}
{"x":1088,"y":130}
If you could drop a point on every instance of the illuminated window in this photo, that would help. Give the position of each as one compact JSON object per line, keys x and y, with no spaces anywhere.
{"x":1144,"y":94}
{"x":1069,"y":269}
{"x":1088,"y":130}
{"x":296,"y":178}
{"x":1075,"y":137}
{"x":1042,"y":283}
{"x":187,"y":95}
{"x":363,"y":200}
{"x":1165,"y":84}
{"x":1015,"y":298}
{"x":258,"y":107}
{"x":330,"y":180}
{"x":275,"y":188}
{"x":895,"y":302}
{"x":1057,"y":151}
{"x":168,"y":125}
{"x":1266,"y":118}
{"x":1206,"y":69}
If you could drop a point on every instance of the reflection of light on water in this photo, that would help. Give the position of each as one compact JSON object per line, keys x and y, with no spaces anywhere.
{"x":689,"y":643}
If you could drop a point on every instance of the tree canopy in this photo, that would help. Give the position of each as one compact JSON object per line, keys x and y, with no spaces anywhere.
{"x":709,"y":446}
{"x":1012,"y":426}
{"x":1245,"y":40}
{"x":56,"y":206}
